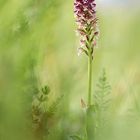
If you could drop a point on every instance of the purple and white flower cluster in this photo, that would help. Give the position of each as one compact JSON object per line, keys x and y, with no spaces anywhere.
{"x":85,"y":14}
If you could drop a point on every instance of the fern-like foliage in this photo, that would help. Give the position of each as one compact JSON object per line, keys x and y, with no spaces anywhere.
{"x":102,"y":98}
{"x":42,"y":112}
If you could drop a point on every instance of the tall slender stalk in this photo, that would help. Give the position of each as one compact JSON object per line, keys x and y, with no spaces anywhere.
{"x":89,"y":79}
{"x":89,"y":129}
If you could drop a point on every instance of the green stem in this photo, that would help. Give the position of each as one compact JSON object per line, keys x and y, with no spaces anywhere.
{"x":89,"y":78}
{"x":88,"y":111}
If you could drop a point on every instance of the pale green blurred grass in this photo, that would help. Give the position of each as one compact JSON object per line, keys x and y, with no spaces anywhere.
{"x":39,"y":37}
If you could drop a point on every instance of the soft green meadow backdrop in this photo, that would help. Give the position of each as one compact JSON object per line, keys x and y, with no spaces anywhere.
{"x":38,"y":46}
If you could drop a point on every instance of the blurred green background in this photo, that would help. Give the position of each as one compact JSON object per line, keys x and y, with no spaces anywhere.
{"x":38,"y":47}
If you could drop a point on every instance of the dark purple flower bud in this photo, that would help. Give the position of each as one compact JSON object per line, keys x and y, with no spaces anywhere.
{"x":85,"y":10}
